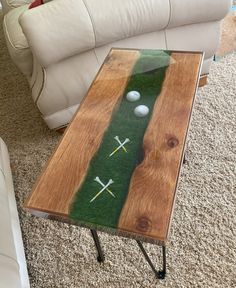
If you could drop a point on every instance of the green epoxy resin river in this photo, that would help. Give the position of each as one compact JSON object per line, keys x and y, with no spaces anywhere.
{"x":147,"y":77}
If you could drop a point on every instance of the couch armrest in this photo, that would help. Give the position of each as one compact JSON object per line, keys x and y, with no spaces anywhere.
{"x":17,"y":44}
{"x":13,"y":267}
{"x":8,"y":5}
{"x":62,"y":28}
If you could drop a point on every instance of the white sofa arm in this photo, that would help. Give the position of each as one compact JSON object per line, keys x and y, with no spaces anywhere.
{"x":8,"y":5}
{"x":13,"y":268}
{"x":62,"y":28}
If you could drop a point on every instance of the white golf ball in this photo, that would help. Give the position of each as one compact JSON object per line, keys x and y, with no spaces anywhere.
{"x":133,"y":96}
{"x":141,"y":111}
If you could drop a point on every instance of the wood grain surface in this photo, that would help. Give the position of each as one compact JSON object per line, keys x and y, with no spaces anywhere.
{"x":149,"y":204}
{"x":67,"y":167}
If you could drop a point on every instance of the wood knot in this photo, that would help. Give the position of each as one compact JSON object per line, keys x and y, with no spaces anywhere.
{"x":172,"y":142}
{"x":91,"y":142}
{"x":143,"y":224}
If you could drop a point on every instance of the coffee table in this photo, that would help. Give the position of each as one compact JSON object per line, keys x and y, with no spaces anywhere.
{"x":117,"y":166}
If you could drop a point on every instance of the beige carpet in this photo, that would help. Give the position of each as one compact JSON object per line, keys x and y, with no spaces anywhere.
{"x":201,"y":251}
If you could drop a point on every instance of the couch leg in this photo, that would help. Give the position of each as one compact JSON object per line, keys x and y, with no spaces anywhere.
{"x":202,"y":80}
{"x":61,"y":130}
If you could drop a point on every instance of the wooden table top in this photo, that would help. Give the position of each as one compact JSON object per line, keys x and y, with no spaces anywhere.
{"x":139,"y":199}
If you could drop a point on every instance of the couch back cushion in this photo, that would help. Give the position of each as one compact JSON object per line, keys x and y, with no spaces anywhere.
{"x":61,"y":29}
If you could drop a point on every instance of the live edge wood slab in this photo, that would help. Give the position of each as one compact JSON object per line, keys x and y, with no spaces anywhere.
{"x":140,"y":201}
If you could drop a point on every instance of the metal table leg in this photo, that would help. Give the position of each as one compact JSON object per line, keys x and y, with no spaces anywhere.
{"x":100,"y":256}
{"x":161,"y":273}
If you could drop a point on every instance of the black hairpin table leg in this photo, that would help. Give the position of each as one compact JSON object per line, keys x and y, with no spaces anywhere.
{"x":161,"y":273}
{"x":100,"y":257}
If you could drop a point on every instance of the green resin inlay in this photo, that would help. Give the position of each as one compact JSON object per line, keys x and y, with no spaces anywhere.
{"x":147,"y":77}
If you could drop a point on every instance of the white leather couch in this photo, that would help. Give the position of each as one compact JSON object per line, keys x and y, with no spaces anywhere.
{"x":69,"y":40}
{"x":13,"y":269}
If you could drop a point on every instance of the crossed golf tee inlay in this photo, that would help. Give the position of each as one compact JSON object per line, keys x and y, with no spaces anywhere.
{"x":139,"y":111}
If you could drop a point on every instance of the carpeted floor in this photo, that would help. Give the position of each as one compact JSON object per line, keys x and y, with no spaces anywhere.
{"x":201,"y":251}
